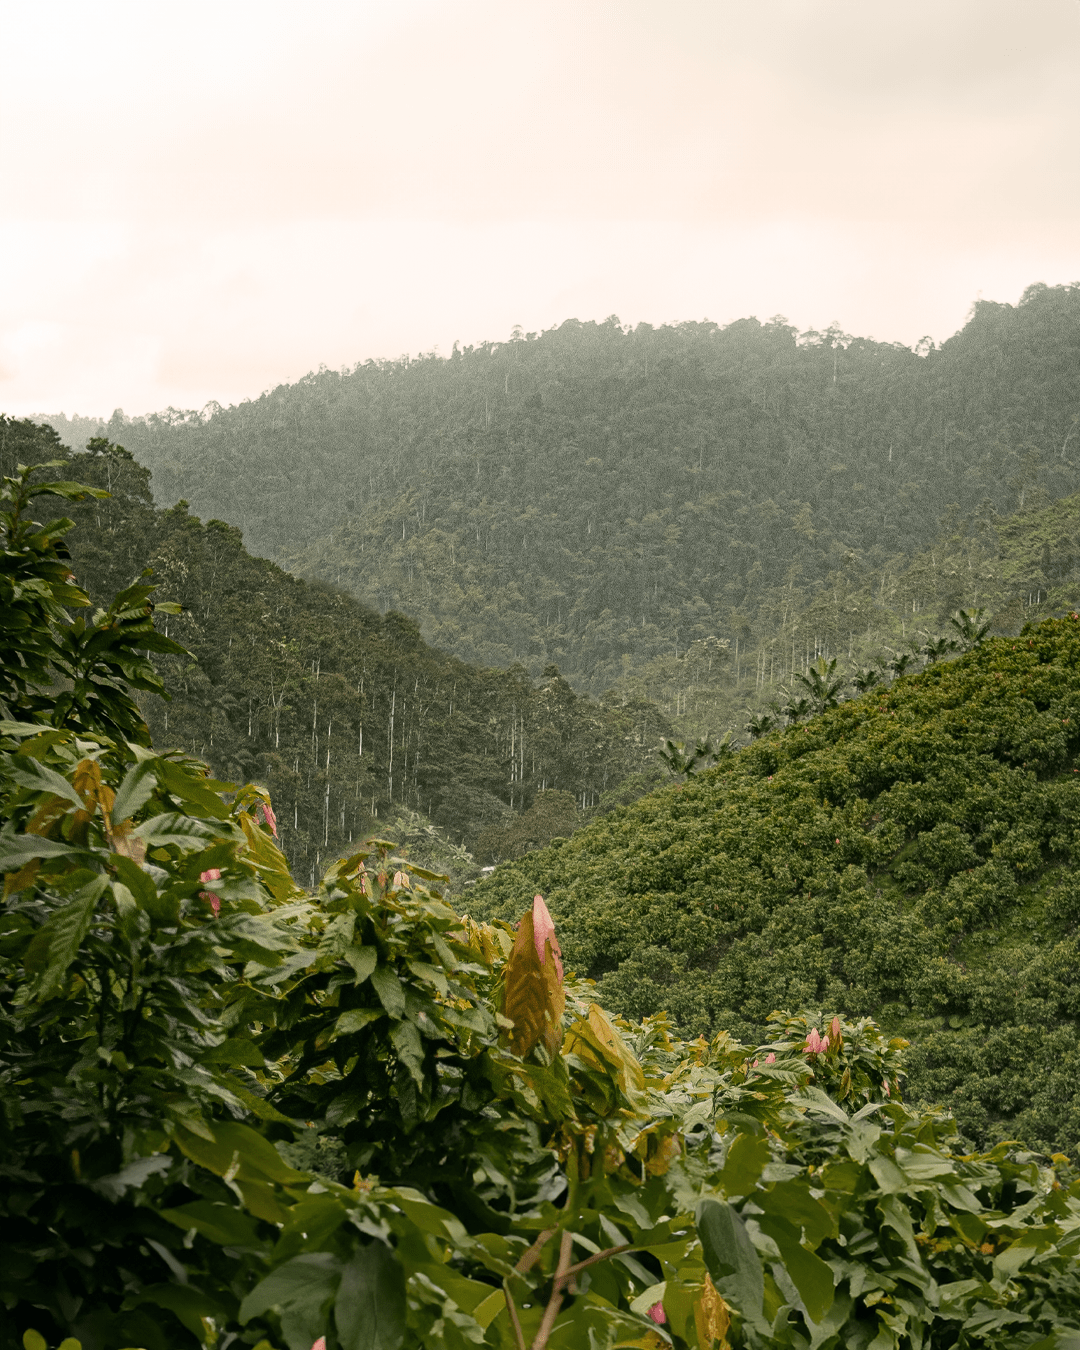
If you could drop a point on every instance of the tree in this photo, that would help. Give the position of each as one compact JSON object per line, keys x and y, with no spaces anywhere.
{"x":760,"y":725}
{"x":970,"y":628}
{"x":822,"y":684}
{"x":936,"y":649}
{"x":683,"y":763}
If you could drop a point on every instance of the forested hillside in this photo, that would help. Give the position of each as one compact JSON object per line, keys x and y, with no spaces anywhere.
{"x":346,"y":715}
{"x":600,"y":497}
{"x":1016,"y":569}
{"x":912,"y":855}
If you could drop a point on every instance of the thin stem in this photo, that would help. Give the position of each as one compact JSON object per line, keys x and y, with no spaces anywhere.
{"x":515,"y":1322}
{"x":551,"y":1312}
{"x":530,"y":1258}
{"x":599,"y":1256}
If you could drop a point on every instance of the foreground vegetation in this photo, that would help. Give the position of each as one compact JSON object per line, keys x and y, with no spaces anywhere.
{"x":236,"y":1113}
{"x":911,"y":855}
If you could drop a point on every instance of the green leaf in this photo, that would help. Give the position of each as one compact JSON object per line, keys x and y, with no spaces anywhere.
{"x":36,"y":776}
{"x":745,"y":1163}
{"x":16,"y":850}
{"x":337,"y":937}
{"x":822,"y":1104}
{"x":369,"y":1310}
{"x":184,"y":785}
{"x":301,"y":1288}
{"x":388,"y":987}
{"x":56,"y":944}
{"x":236,"y":1146}
{"x":355,"y":1019}
{"x":363,"y":961}
{"x":792,"y":1201}
{"x":190,"y":1304}
{"x":410,"y":1051}
{"x":237,"y":1050}
{"x":811,"y":1276}
{"x":1061,"y":1338}
{"x":226,"y":1225}
{"x":731,"y":1258}
{"x":135,"y":791}
{"x":172,"y":828}
{"x":133,"y":1176}
{"x":138,"y":881}
{"x":34,"y":1340}
{"x":74,"y":492}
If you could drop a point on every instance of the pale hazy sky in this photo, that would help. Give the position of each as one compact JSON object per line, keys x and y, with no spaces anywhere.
{"x":201,"y":200}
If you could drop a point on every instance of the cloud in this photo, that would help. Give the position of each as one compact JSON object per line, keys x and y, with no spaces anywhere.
{"x":211,"y":198}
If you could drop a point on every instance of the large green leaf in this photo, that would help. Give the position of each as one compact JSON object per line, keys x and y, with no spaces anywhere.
{"x":136,"y":790}
{"x":185,"y":786}
{"x":29,"y":773}
{"x":239,"y":1150}
{"x":16,"y":850}
{"x":744,"y":1163}
{"x":731,"y":1258}
{"x":56,"y":944}
{"x":369,"y":1310}
{"x":363,"y":961}
{"x":223,"y":1224}
{"x":190,"y":1304}
{"x":792,"y":1201}
{"x":388,"y":987}
{"x":173,"y":828}
{"x":811,"y":1276}
{"x":301,"y":1288}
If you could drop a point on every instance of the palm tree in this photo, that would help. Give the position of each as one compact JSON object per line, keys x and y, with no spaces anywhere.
{"x":761,"y":725}
{"x":865,"y":680}
{"x":797,"y":709}
{"x":938,"y":648}
{"x":685,"y":763}
{"x":677,"y":760}
{"x":902,"y":664}
{"x":967,"y":624}
{"x":824,"y":690}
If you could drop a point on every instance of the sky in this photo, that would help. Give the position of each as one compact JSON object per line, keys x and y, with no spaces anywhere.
{"x":203,"y":200}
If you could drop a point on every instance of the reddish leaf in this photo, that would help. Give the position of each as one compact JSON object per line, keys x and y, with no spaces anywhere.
{"x":534,"y":999}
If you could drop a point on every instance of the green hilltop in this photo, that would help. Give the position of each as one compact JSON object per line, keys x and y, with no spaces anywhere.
{"x":604,"y":498}
{"x":910,"y":855}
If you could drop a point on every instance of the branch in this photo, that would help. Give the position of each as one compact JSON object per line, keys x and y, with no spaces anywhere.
{"x":514,"y":1320}
{"x":599,"y":1256}
{"x":551,"y":1312}
{"x":531,"y":1257}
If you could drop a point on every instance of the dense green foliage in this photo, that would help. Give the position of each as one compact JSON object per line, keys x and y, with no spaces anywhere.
{"x":911,"y":855}
{"x":197,"y":1059}
{"x":603,"y":498}
{"x":347,"y":716}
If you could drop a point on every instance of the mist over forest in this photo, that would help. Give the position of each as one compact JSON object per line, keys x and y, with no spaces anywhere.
{"x":602,"y":498}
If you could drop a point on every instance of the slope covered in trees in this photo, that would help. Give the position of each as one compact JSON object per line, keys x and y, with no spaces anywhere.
{"x":1017,"y":568}
{"x":912,"y":855}
{"x":599,"y":497}
{"x":239,"y":1114}
{"x":346,"y":715}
